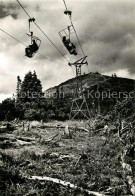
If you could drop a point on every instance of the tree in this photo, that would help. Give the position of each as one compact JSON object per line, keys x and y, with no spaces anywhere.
{"x":8,"y":109}
{"x":18,"y":89}
{"x":31,"y":89}
{"x":30,"y":102}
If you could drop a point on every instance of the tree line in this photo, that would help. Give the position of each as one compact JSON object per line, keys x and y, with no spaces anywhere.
{"x":29,"y":102}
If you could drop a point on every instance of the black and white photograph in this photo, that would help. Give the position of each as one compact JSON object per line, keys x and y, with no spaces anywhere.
{"x":67,"y":97}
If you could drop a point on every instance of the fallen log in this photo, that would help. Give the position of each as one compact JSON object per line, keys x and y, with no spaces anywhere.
{"x":64,"y":183}
{"x":23,"y":143}
{"x":26,"y":139}
{"x":63,"y":127}
{"x":51,"y":138}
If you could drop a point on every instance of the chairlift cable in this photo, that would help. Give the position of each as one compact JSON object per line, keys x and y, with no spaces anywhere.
{"x":49,"y":58}
{"x":23,"y":8}
{"x":77,"y":38}
{"x":43,"y":32}
{"x":65,"y":4}
{"x":51,"y":41}
{"x":25,"y":45}
{"x":12,"y":37}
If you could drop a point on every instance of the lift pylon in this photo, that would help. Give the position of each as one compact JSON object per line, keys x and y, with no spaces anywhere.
{"x":79,"y":104}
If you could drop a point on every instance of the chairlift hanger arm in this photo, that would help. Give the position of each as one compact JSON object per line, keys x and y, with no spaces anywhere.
{"x":83,"y":58}
{"x":80,"y":61}
{"x":66,"y":31}
{"x":65,"y":28}
{"x":31,"y":20}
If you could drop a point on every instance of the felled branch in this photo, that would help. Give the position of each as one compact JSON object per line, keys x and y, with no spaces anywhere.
{"x":64,"y":183}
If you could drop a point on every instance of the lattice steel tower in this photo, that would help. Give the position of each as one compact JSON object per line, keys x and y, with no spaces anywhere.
{"x":79,"y":104}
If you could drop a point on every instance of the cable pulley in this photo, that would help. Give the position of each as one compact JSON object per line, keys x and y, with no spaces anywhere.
{"x":67,"y":12}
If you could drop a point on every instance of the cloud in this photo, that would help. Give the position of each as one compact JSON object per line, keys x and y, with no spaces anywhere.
{"x":11,"y":8}
{"x":105,"y":28}
{"x":110,"y":35}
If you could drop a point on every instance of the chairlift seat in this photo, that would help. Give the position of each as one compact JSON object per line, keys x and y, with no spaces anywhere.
{"x":32,"y":49}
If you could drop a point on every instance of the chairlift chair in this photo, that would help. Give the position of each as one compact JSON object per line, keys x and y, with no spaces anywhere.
{"x":32,"y":49}
{"x":65,"y":35}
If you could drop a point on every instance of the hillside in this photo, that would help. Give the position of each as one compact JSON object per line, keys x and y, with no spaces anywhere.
{"x":104,"y":94}
{"x":89,"y":81}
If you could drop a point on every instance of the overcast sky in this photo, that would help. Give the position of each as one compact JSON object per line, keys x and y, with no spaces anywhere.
{"x":106,"y":29}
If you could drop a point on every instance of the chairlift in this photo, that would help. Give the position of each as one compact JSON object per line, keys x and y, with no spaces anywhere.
{"x":33,"y":48}
{"x":65,"y":36}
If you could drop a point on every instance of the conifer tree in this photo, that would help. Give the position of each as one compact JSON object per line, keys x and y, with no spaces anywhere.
{"x":31,"y":88}
{"x":18,"y":89}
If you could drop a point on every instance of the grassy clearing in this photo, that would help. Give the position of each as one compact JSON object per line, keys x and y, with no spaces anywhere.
{"x":91,"y":162}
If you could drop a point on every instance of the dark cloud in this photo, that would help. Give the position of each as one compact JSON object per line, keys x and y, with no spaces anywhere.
{"x":109,"y":35}
{"x":7,"y":8}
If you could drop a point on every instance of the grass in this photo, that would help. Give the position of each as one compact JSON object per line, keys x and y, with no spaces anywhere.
{"x":98,"y":167}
